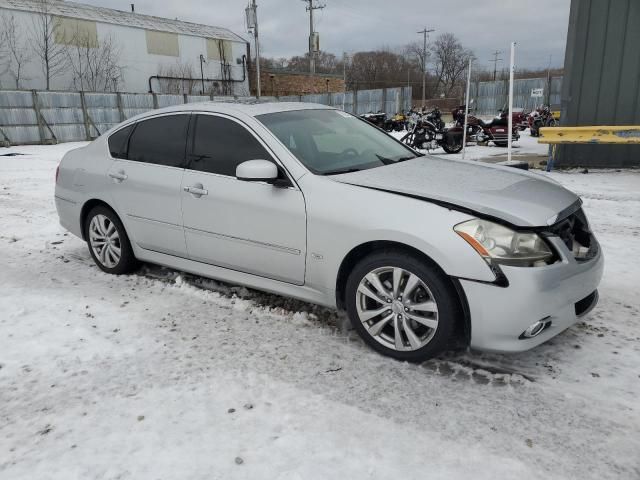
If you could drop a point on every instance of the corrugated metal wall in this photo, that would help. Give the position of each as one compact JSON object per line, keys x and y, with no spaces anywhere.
{"x":602,"y":78}
{"x":490,"y":97}
{"x":33,"y":117}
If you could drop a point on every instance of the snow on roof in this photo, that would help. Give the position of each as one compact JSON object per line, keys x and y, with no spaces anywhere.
{"x":119,"y":17}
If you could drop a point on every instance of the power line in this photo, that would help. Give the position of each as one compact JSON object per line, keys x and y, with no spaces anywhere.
{"x":313,"y":36}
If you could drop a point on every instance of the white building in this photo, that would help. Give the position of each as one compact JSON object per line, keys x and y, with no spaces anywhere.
{"x":101,"y":49}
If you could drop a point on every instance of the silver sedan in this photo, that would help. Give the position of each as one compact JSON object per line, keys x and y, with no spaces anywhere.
{"x":311,"y":202}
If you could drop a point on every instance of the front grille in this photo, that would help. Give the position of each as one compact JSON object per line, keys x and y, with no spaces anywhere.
{"x":575,"y":234}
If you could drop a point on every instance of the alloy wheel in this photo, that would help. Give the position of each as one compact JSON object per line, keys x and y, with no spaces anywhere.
{"x":397,"y":308}
{"x":105,"y":241}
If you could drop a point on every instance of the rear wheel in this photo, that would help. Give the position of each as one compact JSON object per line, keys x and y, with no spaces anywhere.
{"x":401,"y":306}
{"x":108,"y":242}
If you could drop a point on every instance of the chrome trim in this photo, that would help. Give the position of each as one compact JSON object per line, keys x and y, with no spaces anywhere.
{"x":150,"y":220}
{"x":292,"y":251}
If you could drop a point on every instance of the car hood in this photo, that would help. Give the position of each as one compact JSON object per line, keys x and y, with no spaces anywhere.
{"x":521,"y":198}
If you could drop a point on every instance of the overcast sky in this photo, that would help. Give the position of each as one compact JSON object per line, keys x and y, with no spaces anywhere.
{"x":539,"y":27}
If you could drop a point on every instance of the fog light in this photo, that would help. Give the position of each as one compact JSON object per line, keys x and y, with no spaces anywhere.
{"x":536,"y":329}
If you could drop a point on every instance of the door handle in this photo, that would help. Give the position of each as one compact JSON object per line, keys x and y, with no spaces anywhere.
{"x":196,"y":190}
{"x":119,"y":176}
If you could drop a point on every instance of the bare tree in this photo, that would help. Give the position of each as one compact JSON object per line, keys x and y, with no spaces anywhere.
{"x":450,"y":59}
{"x":177,"y":79}
{"x":325,"y":63}
{"x":415,"y":54}
{"x":94,"y":64}
{"x":226,"y":84}
{"x":377,"y":69}
{"x":45,"y":27}
{"x":17,"y":52}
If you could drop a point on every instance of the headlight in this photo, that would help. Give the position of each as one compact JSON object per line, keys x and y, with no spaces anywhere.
{"x":502,"y":245}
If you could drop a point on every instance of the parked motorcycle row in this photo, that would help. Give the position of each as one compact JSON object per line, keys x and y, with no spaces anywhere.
{"x":427,"y":131}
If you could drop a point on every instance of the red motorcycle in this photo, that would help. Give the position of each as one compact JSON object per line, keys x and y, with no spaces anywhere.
{"x":482,"y":132}
{"x":520,"y":118}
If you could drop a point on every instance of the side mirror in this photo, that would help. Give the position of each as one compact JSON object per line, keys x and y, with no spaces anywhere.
{"x":257,"y":171}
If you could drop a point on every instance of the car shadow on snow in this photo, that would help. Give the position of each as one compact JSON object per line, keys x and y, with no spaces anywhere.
{"x":457,"y":364}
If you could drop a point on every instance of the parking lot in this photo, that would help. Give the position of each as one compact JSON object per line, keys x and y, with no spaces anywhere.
{"x":161,"y":374}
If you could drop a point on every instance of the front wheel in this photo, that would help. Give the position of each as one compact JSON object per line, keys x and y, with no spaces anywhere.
{"x":401,"y":306}
{"x":452,"y":144}
{"x":108,"y":242}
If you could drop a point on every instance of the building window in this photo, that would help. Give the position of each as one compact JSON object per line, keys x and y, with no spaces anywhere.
{"x":219,"y":50}
{"x":162,"y":43}
{"x":75,"y":32}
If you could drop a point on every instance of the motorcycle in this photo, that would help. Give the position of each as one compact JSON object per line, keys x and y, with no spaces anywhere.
{"x":520,"y":118}
{"x":425,"y":135}
{"x":396,"y":123}
{"x":378,"y":119}
{"x":435,"y":117}
{"x":482,"y":132}
{"x":542,"y":117}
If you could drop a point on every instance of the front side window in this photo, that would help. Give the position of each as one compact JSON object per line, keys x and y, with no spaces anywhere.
{"x":331,"y":142}
{"x":220,"y":145}
{"x":160,"y":140}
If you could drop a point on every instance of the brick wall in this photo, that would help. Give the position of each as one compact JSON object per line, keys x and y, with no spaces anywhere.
{"x":289,"y":83}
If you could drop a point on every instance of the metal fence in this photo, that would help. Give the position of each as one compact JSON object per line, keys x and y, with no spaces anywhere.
{"x":489,"y":97}
{"x":41,"y":117}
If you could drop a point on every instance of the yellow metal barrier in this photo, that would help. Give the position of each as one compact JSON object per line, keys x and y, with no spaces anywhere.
{"x":627,"y":135}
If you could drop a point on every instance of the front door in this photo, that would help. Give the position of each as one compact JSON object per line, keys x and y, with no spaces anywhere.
{"x":252,"y":227}
{"x":147,"y":182}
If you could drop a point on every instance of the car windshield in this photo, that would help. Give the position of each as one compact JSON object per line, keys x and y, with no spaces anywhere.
{"x":330,"y":142}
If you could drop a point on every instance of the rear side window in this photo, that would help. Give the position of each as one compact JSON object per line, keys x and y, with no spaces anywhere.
{"x":220,"y":145}
{"x":118,"y":142}
{"x":160,"y":140}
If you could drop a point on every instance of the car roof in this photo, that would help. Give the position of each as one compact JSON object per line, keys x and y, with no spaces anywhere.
{"x":251,"y":108}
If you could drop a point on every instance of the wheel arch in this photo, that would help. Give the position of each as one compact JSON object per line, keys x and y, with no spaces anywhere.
{"x":90,"y":205}
{"x":359,"y":252}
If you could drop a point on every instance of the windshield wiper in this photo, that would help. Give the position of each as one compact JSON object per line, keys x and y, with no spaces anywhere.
{"x":403,"y":159}
{"x":342,"y":170}
{"x":390,"y":161}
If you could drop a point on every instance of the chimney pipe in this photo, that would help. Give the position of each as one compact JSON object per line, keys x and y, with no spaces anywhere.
{"x":133,"y":8}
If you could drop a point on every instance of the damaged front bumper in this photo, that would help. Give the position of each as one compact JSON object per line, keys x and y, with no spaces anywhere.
{"x":549,"y":298}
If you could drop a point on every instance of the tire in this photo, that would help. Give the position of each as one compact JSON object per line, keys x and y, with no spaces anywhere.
{"x":430,"y":287}
{"x":452,"y":144}
{"x":110,"y":262}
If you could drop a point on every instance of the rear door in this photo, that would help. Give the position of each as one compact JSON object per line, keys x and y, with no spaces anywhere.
{"x":253,"y":227}
{"x":147,"y":180}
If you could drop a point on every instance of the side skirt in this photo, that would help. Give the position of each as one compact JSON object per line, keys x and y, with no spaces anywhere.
{"x":303,"y":293}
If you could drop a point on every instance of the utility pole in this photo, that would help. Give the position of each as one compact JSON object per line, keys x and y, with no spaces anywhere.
{"x":466,"y":110}
{"x":313,"y":39}
{"x":344,"y":79}
{"x":252,"y":25}
{"x":512,"y":67}
{"x":548,"y":102}
{"x":424,"y":32}
{"x":495,"y":63}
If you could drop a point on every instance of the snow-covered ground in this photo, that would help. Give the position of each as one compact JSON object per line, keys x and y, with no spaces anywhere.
{"x":135,"y":377}
{"x":526,"y":145}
